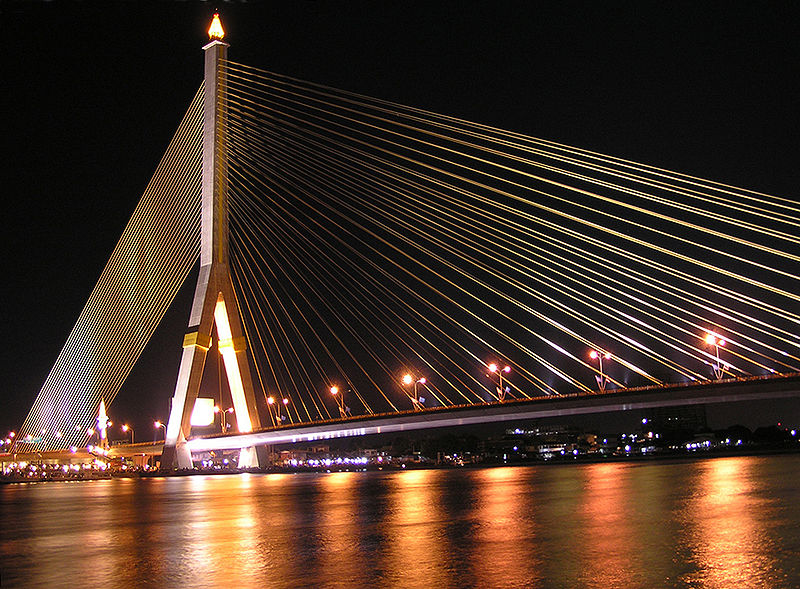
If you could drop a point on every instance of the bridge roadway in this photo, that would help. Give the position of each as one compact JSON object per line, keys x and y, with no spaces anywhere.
{"x":702,"y":393}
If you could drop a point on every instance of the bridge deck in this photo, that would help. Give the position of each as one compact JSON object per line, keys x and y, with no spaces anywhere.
{"x":698,"y":393}
{"x":701,"y":393}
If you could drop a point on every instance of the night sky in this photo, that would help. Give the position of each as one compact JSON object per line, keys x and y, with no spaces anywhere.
{"x":92,"y":96}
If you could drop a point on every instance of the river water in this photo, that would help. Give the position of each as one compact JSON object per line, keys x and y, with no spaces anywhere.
{"x":719,"y":523}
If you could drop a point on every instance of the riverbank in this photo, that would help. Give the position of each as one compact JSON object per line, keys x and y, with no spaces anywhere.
{"x":41,"y":474}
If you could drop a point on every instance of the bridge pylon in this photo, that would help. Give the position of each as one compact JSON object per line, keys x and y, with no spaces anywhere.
{"x":215,"y":303}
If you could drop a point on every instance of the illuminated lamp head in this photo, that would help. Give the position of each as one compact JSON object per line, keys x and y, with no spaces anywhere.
{"x":215,"y":31}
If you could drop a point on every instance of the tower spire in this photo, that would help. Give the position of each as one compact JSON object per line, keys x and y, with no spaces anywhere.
{"x":215,"y":304}
{"x":102,"y":424}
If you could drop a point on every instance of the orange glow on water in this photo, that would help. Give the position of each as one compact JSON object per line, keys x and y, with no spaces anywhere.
{"x":730,"y":544}
{"x":415,"y":526}
{"x":503,"y":501}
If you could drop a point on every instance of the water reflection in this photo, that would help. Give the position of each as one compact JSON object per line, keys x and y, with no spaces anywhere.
{"x":416,"y":554}
{"x":606,"y":532}
{"x":714,"y":523}
{"x":730,"y":542}
{"x":220,"y":532}
{"x":506,"y":531}
{"x":339,"y":534}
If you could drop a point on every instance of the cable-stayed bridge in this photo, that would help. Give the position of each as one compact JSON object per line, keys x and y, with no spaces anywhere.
{"x":352,"y":241}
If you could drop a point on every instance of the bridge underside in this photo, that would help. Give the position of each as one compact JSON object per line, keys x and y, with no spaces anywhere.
{"x":626,"y":400}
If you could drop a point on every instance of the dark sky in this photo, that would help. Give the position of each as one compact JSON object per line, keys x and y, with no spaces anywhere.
{"x":92,"y":95}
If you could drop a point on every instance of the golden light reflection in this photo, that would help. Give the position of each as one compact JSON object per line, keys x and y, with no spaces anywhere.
{"x":605,"y":528}
{"x":498,"y":475}
{"x":226,"y":528}
{"x":731,"y":546}
{"x":726,"y":522}
{"x":76,"y":542}
{"x":626,"y":513}
{"x":339,"y":533}
{"x":506,"y":528}
{"x":335,"y":480}
{"x":416,"y":555}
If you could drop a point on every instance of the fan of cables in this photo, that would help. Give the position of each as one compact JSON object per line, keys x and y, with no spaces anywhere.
{"x":371,"y":240}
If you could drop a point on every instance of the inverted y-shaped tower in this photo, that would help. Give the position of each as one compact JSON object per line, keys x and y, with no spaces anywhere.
{"x":214,"y":302}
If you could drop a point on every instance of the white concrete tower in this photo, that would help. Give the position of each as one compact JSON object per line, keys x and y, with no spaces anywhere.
{"x":214,"y":304}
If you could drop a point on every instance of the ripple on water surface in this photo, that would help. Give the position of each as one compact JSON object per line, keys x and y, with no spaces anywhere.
{"x":726,"y":522}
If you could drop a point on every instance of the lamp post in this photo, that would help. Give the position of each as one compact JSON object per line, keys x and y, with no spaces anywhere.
{"x":416,"y":400}
{"x":495,"y":369}
{"x":602,"y":380}
{"x":712,"y":339}
{"x":11,"y":441}
{"x":339,"y":396}
{"x":158,"y":424}
{"x":223,"y":418}
{"x":126,"y":428}
{"x":274,"y":410}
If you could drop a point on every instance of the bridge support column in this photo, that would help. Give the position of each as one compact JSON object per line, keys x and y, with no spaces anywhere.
{"x":225,"y":318}
{"x":215,"y":304}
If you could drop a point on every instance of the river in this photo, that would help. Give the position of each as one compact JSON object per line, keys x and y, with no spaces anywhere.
{"x":729,"y":522}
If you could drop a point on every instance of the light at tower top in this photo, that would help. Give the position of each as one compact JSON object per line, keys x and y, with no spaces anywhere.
{"x":215,"y":31}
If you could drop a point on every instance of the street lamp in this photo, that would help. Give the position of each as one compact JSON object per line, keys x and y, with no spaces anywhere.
{"x":602,"y":380}
{"x":285,"y":402}
{"x":126,"y":428}
{"x":416,"y":400}
{"x":343,"y":409}
{"x":712,"y":339}
{"x":158,"y":424}
{"x":274,"y":410}
{"x":10,"y":441}
{"x":223,"y":418}
{"x":501,"y":390}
